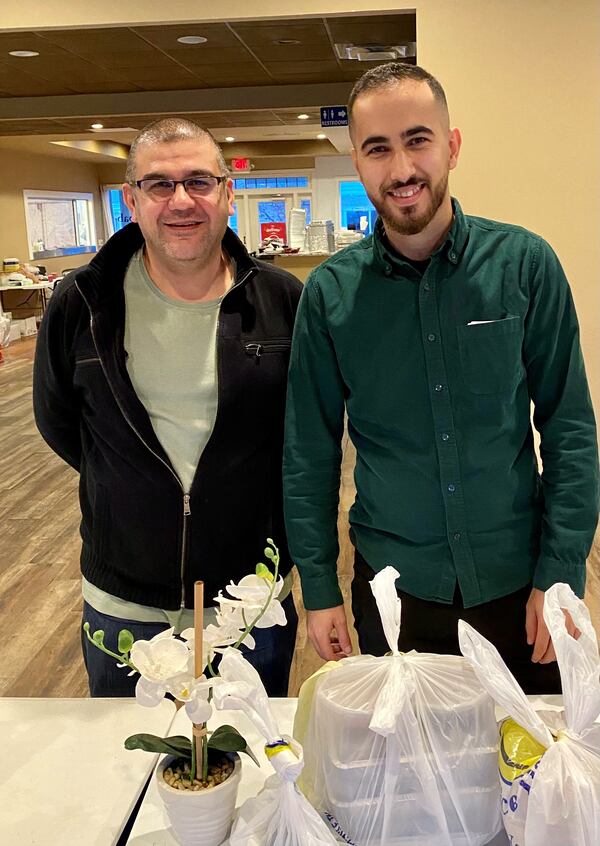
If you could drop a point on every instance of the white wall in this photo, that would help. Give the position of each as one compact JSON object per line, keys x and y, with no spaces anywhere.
{"x":328,"y":169}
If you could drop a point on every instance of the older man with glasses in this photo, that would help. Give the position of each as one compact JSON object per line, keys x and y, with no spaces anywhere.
{"x":148,"y":382}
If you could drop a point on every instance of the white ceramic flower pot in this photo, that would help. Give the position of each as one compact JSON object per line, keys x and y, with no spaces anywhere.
{"x":204,"y":817}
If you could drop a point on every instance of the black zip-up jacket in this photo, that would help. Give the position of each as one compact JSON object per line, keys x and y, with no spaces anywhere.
{"x":143,"y":539}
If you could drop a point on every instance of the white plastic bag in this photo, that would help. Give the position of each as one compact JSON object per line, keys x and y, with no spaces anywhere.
{"x":401,"y":749}
{"x":280,"y":815}
{"x":549,"y":763}
{"x":4,"y":330}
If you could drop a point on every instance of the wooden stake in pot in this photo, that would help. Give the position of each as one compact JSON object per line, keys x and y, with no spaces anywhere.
{"x":198,"y":729}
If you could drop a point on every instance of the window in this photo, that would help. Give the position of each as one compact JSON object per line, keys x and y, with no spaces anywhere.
{"x":262,"y":183}
{"x":355,"y":207}
{"x":233,"y":220}
{"x":59,"y":223}
{"x":305,"y":203}
{"x":116,"y":213}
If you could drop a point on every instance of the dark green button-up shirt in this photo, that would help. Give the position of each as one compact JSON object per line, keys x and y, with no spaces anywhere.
{"x":437,"y":372}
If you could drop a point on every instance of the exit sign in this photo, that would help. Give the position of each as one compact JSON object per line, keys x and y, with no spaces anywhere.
{"x":240,"y":164}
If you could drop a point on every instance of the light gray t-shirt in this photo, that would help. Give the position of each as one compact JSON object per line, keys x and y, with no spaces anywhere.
{"x":172,"y":364}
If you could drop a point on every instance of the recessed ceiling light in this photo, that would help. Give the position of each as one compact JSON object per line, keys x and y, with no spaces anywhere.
{"x":192,"y":39}
{"x":229,"y":138}
{"x":302,"y":117}
{"x":97,"y":126}
{"x":321,"y":136}
{"x":288,"y":41}
{"x":23,"y":54}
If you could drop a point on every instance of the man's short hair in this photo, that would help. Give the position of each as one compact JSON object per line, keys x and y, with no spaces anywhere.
{"x":392,"y":73}
{"x":165,"y":130}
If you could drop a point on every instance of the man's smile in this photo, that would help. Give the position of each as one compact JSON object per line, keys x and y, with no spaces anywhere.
{"x":406,"y":196}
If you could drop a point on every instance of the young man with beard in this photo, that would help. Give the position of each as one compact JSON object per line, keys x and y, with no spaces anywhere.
{"x":434,"y":335}
{"x":160,"y":376}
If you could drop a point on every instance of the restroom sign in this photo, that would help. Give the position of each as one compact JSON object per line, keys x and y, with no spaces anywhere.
{"x":334,"y":116}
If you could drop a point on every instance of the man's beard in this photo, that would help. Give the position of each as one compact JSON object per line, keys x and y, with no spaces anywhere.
{"x":406,"y":221}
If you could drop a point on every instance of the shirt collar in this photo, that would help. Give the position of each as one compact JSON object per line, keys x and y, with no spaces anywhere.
{"x":451,"y":249}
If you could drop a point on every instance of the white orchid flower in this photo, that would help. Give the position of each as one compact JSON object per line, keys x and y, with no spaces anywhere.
{"x":160,"y":658}
{"x":197,"y":706}
{"x":250,"y":596}
{"x":215,"y":638}
{"x":149,"y":694}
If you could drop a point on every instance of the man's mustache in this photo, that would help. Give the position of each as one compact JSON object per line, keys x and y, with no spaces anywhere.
{"x":398,"y":186}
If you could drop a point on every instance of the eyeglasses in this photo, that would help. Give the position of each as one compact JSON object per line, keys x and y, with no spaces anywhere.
{"x":194,"y":186}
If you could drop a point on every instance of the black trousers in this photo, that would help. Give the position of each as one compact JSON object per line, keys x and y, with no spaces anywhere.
{"x":428,"y":626}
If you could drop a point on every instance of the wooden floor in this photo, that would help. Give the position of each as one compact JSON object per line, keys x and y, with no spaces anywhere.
{"x":40,"y":595}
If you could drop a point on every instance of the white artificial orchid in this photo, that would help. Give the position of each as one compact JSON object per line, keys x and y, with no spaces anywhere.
{"x":166,"y":663}
{"x":251,"y":595}
{"x":197,"y":706}
{"x":215,"y":638}
{"x":160,"y":658}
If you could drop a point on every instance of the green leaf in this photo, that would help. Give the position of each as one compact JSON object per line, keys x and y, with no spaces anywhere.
{"x":98,"y":637}
{"x":178,"y":745}
{"x":125,"y":641}
{"x":228,"y":739}
{"x":263,"y":572}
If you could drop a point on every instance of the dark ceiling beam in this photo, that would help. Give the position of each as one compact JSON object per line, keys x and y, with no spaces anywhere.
{"x":161,"y":102}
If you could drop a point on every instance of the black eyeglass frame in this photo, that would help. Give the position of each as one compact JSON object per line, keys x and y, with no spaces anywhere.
{"x":175,"y":182}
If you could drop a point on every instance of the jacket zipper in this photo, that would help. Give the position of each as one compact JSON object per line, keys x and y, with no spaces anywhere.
{"x":257,"y":349}
{"x":186,"y":496}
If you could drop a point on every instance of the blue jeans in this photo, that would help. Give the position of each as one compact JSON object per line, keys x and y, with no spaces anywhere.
{"x":272,"y":655}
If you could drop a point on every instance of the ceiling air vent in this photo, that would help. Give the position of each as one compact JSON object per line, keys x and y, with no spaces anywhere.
{"x":376,"y":52}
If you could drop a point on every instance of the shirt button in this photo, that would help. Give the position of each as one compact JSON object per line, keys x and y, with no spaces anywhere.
{"x":456,"y":536}
{"x":387,"y":270}
{"x":452,"y":256}
{"x":431,"y":337}
{"x":438,"y":388}
{"x":445,"y":436}
{"x":426,"y":286}
{"x":451,"y":488}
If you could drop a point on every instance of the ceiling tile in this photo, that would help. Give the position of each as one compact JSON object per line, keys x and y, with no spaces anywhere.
{"x":84,"y":42}
{"x":165,"y":37}
{"x":26,"y":41}
{"x":135,"y":59}
{"x":277,"y":53}
{"x":22,"y":85}
{"x":311,"y":31}
{"x":212,"y":56}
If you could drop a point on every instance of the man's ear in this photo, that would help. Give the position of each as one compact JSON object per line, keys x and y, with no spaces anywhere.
{"x":230,"y":197}
{"x":454,"y":142}
{"x":129,"y":198}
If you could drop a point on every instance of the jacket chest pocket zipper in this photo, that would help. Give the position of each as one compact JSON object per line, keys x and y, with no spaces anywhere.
{"x":259,"y":348}
{"x":94,"y":360}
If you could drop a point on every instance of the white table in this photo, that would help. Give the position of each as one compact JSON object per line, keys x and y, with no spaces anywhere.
{"x":66,"y":777}
{"x":42,"y":287}
{"x":151,"y":827}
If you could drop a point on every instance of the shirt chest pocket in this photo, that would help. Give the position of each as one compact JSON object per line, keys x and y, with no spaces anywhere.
{"x":491,"y":355}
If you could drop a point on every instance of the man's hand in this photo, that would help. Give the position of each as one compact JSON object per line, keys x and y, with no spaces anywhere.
{"x":328,"y":632}
{"x":537,"y":631}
